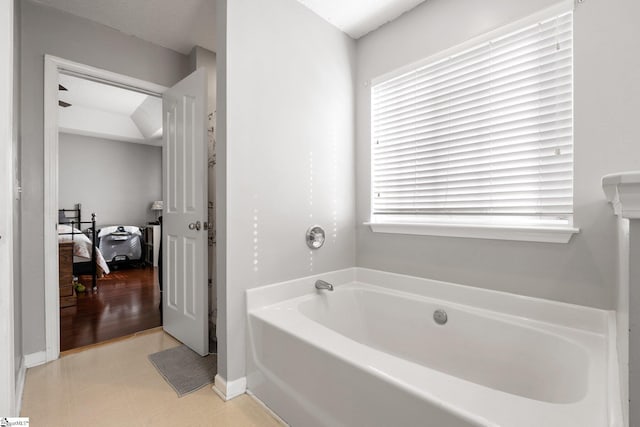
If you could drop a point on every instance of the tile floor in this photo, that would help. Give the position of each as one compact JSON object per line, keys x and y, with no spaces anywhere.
{"x":115,"y":384}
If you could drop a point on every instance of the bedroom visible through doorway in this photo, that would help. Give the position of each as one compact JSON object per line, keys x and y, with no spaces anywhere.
{"x":109,"y":207}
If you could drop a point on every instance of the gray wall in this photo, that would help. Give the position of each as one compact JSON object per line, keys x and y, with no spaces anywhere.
{"x":48,"y":31}
{"x":289,"y":152}
{"x":221,"y":185}
{"x":201,"y":57}
{"x":116,"y":180}
{"x":17,"y":295}
{"x":606,"y":105}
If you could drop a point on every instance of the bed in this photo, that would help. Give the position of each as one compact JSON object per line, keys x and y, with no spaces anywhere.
{"x":121,"y":244}
{"x":87,"y":257}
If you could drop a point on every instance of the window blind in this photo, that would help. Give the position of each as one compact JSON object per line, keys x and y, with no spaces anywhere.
{"x":485,"y":132}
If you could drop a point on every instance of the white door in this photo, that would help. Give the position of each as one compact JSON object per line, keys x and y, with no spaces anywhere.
{"x":184,"y":234}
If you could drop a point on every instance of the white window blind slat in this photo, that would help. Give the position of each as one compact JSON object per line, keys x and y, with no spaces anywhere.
{"x":507,"y":153}
{"x":496,"y":112}
{"x":459,"y":95}
{"x":484,"y":165}
{"x":481,"y":193}
{"x":493,"y":126}
{"x":556,"y":31}
{"x":471,"y":174}
{"x":478,"y":178}
{"x":420,"y":152}
{"x":533,"y":174}
{"x":521,"y":94}
{"x":531,"y":82}
{"x":538,"y":132}
{"x":486,"y":132}
{"x":544,"y":55}
{"x":491,"y":58}
{"x":484,"y":189}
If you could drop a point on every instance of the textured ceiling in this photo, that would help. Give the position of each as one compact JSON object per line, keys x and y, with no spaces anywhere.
{"x":182,"y":24}
{"x":359,"y":17}
{"x":175,"y":24}
{"x":109,"y":112}
{"x":99,"y":96}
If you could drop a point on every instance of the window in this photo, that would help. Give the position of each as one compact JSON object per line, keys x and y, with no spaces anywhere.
{"x":483,"y":136}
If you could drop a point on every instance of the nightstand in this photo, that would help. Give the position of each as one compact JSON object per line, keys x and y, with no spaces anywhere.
{"x":151,"y":244}
{"x":65,"y":274}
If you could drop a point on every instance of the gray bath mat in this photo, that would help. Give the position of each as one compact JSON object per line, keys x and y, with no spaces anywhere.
{"x":185,"y":370}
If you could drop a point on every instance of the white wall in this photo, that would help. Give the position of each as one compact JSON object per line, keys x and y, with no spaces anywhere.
{"x":607,"y":101}
{"x":116,"y":180}
{"x":49,"y":31}
{"x":622,"y":308}
{"x":288,"y":148}
{"x":630,"y":300}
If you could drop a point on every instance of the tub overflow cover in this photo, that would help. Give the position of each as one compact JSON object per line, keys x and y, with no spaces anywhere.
{"x":440,"y":317}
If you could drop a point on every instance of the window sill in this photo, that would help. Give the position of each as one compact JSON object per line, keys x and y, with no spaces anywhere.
{"x":543,"y":234}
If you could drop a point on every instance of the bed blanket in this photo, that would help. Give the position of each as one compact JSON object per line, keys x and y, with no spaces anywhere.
{"x":82,"y":246}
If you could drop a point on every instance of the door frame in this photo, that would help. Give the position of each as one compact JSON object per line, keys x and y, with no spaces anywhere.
{"x":10,"y":401}
{"x":53,"y":66}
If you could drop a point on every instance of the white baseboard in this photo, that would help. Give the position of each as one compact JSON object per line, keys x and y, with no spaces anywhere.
{"x":229,"y":390}
{"x":35,"y":359}
{"x":22,"y":372}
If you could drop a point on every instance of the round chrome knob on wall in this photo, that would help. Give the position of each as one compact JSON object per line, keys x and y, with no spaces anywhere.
{"x":315,"y":237}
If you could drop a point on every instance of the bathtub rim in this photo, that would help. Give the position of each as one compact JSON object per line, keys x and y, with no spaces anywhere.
{"x":558,"y":313}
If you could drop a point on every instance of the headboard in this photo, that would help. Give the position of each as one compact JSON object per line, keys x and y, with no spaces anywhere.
{"x":71,"y":216}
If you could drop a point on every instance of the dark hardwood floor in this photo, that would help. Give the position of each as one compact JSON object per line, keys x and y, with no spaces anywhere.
{"x":127,"y":301}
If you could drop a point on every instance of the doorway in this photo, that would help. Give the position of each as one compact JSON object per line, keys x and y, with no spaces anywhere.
{"x":184,"y":174}
{"x":55,"y":70}
{"x":110,"y":200}
{"x":184,"y":171}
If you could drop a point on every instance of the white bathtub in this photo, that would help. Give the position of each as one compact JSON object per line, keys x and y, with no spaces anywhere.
{"x":371,"y":354}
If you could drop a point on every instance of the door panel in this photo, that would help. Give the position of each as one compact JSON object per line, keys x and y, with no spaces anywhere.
{"x":185,"y":193}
